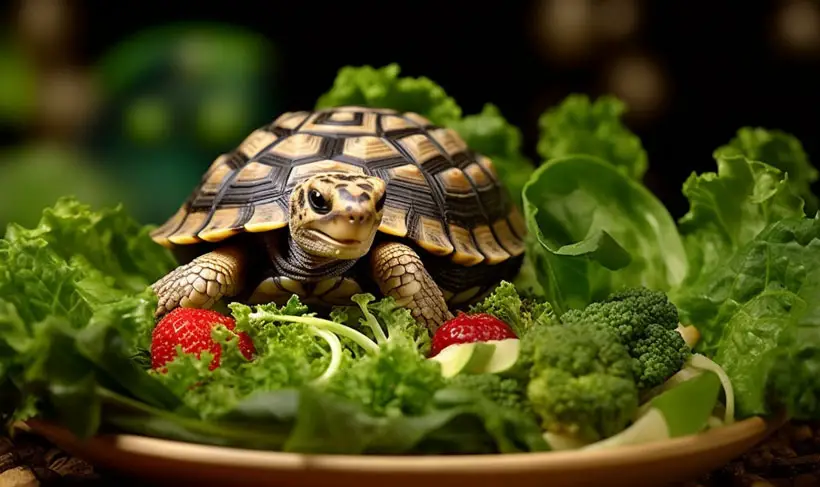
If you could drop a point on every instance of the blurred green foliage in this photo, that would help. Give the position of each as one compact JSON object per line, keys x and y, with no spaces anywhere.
{"x":173,"y":98}
{"x":17,"y":85}
{"x":37,"y":174}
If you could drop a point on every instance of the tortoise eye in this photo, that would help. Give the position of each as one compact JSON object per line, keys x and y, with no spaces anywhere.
{"x":318,"y":202}
{"x":380,"y":203}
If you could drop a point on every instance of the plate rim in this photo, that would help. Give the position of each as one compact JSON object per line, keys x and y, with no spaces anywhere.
{"x":754,"y":427}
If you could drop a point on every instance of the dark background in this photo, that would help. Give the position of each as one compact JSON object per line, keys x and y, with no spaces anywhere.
{"x":712,"y":66}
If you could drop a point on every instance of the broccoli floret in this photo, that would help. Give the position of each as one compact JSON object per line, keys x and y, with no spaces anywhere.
{"x":646,"y":324}
{"x":506,"y":392}
{"x":521,"y":313}
{"x":581,"y":382}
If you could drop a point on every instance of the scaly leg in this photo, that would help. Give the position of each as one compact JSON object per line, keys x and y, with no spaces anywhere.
{"x":399,"y":272}
{"x":201,"y":282}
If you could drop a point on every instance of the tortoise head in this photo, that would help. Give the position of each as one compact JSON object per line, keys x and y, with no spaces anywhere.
{"x":337,"y":215}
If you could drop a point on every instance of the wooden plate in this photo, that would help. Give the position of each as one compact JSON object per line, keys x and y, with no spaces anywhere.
{"x":179,"y":463}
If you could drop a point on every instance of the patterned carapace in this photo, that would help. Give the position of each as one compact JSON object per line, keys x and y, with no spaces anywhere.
{"x":441,"y":196}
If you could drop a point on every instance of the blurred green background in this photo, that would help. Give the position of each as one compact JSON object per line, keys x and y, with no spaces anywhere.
{"x":138,"y":125}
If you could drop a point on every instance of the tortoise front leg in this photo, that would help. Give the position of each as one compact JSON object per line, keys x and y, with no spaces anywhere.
{"x":399,"y":272}
{"x":201,"y":282}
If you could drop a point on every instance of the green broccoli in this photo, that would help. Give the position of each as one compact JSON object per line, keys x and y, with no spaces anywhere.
{"x":581,"y":382}
{"x":520,"y":313}
{"x":646,"y":324}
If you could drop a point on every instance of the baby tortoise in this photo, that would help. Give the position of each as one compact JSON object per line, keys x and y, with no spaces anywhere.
{"x":373,"y":200}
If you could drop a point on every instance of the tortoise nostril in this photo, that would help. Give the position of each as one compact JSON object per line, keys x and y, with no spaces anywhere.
{"x":352,"y":220}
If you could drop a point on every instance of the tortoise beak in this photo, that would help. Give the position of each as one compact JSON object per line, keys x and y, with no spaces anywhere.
{"x":350,"y":228}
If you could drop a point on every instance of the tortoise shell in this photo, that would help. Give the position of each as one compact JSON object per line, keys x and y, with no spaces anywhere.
{"x":440,"y":194}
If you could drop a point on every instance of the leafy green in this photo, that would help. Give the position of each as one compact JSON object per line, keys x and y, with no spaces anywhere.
{"x":487,"y":132}
{"x":781,"y":150}
{"x":579,"y":126}
{"x":75,"y":307}
{"x":771,"y":352}
{"x":396,"y":381}
{"x":747,"y":245}
{"x":596,"y":235}
{"x":782,"y":256}
{"x":748,"y":349}
{"x":457,"y":421}
{"x":730,"y":208}
{"x":793,"y":379}
{"x":263,"y":421}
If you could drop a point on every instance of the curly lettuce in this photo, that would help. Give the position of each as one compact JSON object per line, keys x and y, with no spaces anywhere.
{"x":781,"y":150}
{"x":770,"y":349}
{"x":75,"y":307}
{"x":579,"y":125}
{"x":729,"y":208}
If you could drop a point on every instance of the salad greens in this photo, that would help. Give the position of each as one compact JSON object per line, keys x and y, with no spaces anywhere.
{"x":730,"y":207}
{"x":601,"y":359}
{"x":745,"y":275}
{"x":579,"y":125}
{"x":781,"y":150}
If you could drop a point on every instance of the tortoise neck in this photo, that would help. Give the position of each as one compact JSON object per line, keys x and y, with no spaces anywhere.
{"x":291,"y":260}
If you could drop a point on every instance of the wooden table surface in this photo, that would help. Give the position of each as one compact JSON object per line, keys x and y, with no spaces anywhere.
{"x":790,"y":457}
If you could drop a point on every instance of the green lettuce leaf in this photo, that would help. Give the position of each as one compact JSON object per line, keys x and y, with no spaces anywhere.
{"x":487,"y":132}
{"x":457,"y":421}
{"x":729,"y":208}
{"x":781,"y":150}
{"x":262,"y":422}
{"x":307,"y":420}
{"x":770,"y":349}
{"x":748,"y":348}
{"x":781,"y":257}
{"x":597,"y":231}
{"x":797,"y":365}
{"x":75,"y":306}
{"x":581,"y":126}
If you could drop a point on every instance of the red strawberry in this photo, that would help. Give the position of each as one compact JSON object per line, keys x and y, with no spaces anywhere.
{"x":464,"y":328}
{"x":191,"y":329}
